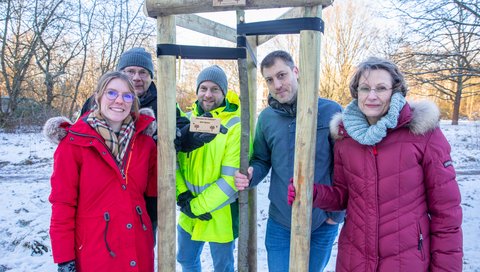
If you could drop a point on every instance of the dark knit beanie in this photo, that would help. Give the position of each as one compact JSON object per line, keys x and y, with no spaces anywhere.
{"x":136,"y":56}
{"x":215,"y":74}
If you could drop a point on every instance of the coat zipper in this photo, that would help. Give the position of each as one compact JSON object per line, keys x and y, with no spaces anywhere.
{"x":375,"y":154}
{"x":126,"y":159}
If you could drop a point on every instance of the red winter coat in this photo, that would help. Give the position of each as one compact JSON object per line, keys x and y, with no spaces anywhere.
{"x":401,"y":198}
{"x":99,"y":218}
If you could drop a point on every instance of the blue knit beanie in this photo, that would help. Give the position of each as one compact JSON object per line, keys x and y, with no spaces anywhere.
{"x":136,"y":56}
{"x":215,"y":74}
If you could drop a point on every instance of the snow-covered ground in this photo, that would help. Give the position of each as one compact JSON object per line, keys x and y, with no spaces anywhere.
{"x":25,"y":169}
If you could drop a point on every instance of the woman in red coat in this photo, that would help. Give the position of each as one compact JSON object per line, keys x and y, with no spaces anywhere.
{"x":103,"y":169}
{"x":394,"y":176}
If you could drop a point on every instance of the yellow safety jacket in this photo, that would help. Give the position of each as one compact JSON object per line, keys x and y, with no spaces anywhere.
{"x":208,"y":172}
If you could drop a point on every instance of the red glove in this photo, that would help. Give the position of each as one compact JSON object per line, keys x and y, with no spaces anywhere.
{"x":291,"y":192}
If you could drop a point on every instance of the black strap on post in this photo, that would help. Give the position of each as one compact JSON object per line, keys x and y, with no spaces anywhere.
{"x":284,"y":26}
{"x":200,"y":52}
{"x":242,"y":42}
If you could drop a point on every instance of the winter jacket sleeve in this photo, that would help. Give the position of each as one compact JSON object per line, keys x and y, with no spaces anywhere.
{"x":223,"y":189}
{"x":151,"y":192}
{"x":335,"y":197}
{"x":152,"y":172}
{"x":260,"y":161}
{"x":337,"y":216}
{"x":88,"y":105}
{"x":180,"y":185}
{"x":443,"y":201}
{"x":63,"y":197}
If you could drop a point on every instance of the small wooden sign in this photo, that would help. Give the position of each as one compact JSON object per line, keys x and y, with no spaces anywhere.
{"x":205,"y":124}
{"x":223,"y":3}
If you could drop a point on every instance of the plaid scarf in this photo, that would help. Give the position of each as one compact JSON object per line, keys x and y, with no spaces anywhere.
{"x":116,"y":144}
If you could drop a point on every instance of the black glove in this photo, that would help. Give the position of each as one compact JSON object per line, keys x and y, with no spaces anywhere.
{"x":187,"y":210}
{"x":205,"y":217}
{"x":184,"y":197}
{"x":178,"y":140}
{"x":67,"y":267}
{"x":187,"y":141}
{"x":182,"y":122}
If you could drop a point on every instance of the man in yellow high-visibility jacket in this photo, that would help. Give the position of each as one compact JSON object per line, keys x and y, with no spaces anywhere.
{"x":206,"y":192}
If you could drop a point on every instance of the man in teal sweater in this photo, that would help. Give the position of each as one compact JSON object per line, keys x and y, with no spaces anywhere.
{"x":274,"y":148}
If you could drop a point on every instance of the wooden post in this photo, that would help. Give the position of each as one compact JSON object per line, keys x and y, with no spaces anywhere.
{"x":166,"y":86}
{"x":252,"y":193}
{"x":306,"y":121}
{"x":156,"y":8}
{"x":305,"y":139}
{"x":243,"y":230}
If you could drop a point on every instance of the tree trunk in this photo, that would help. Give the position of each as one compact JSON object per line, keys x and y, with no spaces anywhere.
{"x":49,"y":89}
{"x":456,"y":102}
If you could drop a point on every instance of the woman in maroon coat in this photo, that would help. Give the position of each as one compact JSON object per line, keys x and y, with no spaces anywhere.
{"x":103,"y":168}
{"x":394,"y":176}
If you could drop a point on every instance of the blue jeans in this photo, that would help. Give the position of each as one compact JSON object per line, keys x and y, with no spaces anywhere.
{"x":189,"y":252}
{"x":277,"y":243}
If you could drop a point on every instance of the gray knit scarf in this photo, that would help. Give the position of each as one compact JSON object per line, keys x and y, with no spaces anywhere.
{"x":361,"y":131}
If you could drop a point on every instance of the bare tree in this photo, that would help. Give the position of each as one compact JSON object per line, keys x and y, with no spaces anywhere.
{"x":350,"y":35}
{"x":54,"y":51}
{"x":472,"y":6}
{"x":84,"y":32}
{"x":57,"y":48}
{"x":122,"y":26}
{"x":443,"y":50}
{"x":23,"y":24}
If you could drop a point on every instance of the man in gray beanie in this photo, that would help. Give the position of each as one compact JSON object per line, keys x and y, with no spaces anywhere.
{"x":205,"y":186}
{"x":137,"y":64}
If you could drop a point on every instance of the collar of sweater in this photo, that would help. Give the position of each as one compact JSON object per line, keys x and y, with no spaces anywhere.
{"x":289,"y":109}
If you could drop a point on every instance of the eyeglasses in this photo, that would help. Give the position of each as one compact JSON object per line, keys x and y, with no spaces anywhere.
{"x":141,"y":73}
{"x":112,"y":95}
{"x":377,"y":90}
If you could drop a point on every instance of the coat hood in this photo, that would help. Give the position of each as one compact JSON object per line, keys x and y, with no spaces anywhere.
{"x":152,"y":127}
{"x":419,"y":116}
{"x":56,"y":128}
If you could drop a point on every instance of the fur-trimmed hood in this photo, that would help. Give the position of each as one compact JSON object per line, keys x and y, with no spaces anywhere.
{"x":419,"y":116}
{"x":56,"y":128}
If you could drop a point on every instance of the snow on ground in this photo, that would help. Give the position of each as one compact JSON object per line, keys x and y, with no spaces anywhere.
{"x":25,"y":169}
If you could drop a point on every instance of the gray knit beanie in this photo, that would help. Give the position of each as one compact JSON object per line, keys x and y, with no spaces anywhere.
{"x":136,"y":56}
{"x":215,"y":74}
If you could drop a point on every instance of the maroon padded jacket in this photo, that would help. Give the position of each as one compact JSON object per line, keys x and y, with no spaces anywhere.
{"x":401,"y":198}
